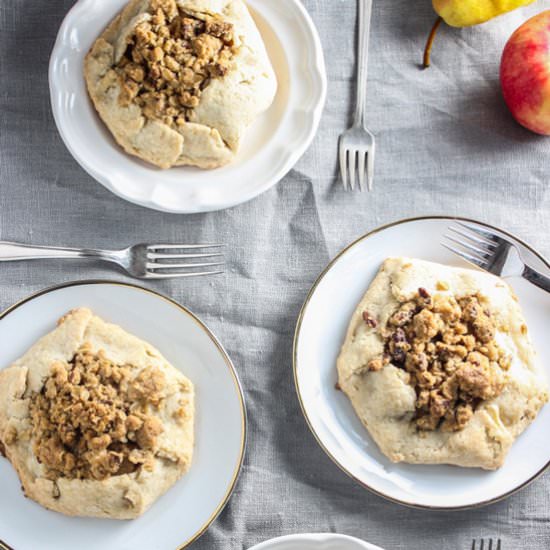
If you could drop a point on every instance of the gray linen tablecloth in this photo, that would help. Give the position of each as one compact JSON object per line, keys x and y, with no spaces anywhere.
{"x":446,"y":145}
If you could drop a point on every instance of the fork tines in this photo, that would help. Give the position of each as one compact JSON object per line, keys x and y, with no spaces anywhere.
{"x":356,"y":167}
{"x":356,"y":159}
{"x":471,"y":243}
{"x":166,"y":261}
{"x":489,"y":544}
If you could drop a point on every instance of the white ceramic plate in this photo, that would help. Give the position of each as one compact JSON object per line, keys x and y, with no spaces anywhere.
{"x":188,"y":508}
{"x":319,"y":336}
{"x":324,"y":541}
{"x":272,"y":145}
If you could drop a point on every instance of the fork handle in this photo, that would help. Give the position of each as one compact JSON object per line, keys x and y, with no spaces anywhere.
{"x":13,"y":252}
{"x":538,"y":279}
{"x":365,"y":14}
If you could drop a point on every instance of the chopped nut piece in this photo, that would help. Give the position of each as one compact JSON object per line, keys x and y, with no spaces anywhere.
{"x":133,"y":423}
{"x":423,"y":293}
{"x":403,"y":315}
{"x":375,"y":365}
{"x":100,"y":442}
{"x":369,"y":319}
{"x":146,"y":436}
{"x":219,"y":29}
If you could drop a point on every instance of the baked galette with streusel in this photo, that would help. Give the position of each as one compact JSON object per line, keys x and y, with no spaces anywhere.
{"x":439,"y":366}
{"x":179,"y":81}
{"x":95,"y":421}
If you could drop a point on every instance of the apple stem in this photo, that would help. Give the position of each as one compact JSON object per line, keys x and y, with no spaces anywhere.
{"x":430,"y":42}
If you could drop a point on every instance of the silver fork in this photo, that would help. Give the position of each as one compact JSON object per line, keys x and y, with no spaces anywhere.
{"x":491,"y":252}
{"x":492,"y":544}
{"x":142,"y":261}
{"x":357,"y":145}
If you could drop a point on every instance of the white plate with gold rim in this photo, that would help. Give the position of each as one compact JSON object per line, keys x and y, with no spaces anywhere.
{"x":272,"y":145}
{"x":192,"y":504}
{"x":320,"y":333}
{"x":318,"y":541}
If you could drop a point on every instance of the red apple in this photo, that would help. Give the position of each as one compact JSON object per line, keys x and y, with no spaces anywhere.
{"x":525,"y":74}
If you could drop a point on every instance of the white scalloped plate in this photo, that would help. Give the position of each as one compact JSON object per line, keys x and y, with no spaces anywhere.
{"x":321,"y":541}
{"x":272,"y":145}
{"x":319,"y":335}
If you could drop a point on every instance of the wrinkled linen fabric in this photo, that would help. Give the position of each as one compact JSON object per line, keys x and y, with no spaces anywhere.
{"x":446,"y":144}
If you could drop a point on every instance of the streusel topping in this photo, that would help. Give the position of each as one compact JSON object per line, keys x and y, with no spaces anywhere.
{"x":171,"y":58}
{"x":448,"y":348}
{"x":91,"y":419}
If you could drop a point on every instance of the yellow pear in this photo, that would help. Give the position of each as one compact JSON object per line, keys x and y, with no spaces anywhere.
{"x":466,"y":13}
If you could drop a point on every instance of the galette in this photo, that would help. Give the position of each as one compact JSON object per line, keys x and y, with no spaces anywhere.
{"x":178,"y":82}
{"x":439,"y":366}
{"x":95,"y":421}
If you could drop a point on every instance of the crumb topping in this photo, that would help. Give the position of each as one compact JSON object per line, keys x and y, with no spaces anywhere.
{"x":448,"y":348}
{"x":171,"y":58}
{"x":91,"y":419}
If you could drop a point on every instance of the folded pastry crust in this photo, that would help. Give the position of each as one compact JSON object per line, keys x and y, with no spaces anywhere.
{"x":207,"y":134}
{"x":148,"y":415}
{"x":499,"y":403}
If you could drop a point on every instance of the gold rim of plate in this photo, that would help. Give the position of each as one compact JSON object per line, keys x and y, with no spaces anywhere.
{"x":295,"y":363}
{"x":221,"y":349}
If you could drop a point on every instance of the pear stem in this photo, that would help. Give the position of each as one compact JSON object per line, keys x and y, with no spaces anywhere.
{"x":430,"y":42}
